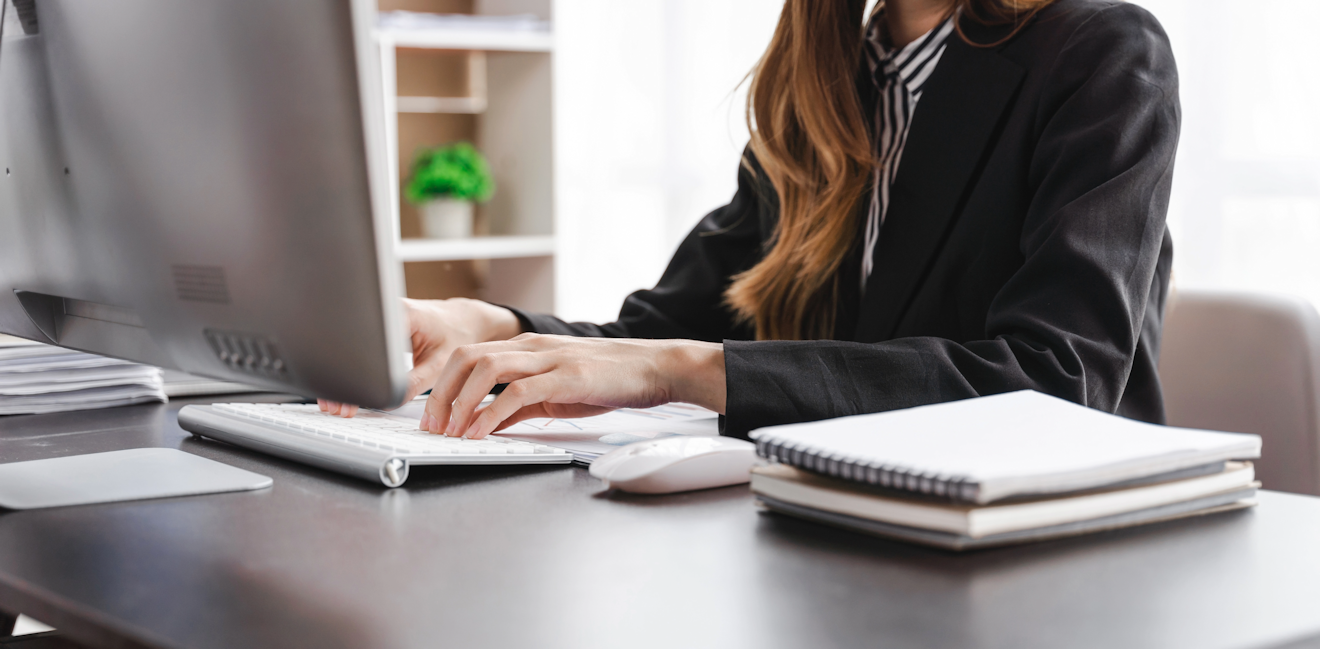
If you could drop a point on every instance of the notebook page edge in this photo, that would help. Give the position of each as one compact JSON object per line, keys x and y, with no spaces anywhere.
{"x":1013,"y":517}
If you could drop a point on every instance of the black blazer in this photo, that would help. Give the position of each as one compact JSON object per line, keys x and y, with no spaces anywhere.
{"x":1024,"y":247}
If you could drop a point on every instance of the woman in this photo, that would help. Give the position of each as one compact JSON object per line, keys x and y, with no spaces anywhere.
{"x":966,"y":197}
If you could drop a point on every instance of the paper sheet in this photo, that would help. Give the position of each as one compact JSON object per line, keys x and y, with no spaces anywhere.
{"x":37,"y":378}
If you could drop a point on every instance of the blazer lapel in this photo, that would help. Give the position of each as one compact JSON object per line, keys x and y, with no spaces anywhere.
{"x":958,"y":113}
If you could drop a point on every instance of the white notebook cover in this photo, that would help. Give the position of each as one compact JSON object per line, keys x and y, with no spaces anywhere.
{"x":990,"y":448}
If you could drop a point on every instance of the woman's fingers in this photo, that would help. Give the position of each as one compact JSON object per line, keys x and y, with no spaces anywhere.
{"x":457,"y":373}
{"x":565,"y":375}
{"x":451,"y":379}
{"x":424,"y":373}
{"x":336,"y":408}
{"x":446,"y":387}
{"x":435,"y":328}
{"x":516,"y":396}
{"x":488,"y":372}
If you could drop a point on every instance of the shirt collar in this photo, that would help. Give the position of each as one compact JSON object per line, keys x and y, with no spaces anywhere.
{"x":908,"y":62}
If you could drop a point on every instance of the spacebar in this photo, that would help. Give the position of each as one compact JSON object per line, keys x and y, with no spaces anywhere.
{"x":359,"y":462}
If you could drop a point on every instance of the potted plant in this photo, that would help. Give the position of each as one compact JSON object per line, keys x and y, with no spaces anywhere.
{"x":445,"y":182}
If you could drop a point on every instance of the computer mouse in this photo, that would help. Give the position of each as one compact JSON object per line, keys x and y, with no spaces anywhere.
{"x":679,"y":463}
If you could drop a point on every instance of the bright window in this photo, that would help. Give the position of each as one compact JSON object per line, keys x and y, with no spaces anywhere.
{"x":1246,"y":193}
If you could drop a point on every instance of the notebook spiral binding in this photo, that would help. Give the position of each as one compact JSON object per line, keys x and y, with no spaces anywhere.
{"x":954,"y":487}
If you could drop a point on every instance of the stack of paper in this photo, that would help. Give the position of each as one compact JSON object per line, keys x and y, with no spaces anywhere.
{"x":996,"y":470}
{"x":37,"y":378}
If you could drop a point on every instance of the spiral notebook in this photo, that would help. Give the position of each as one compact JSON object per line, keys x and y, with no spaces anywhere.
{"x":992,"y":448}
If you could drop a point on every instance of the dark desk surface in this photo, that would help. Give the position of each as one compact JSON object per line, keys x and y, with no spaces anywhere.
{"x":518,"y":557}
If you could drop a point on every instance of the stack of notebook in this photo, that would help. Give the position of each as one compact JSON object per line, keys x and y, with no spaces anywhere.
{"x":37,"y":378}
{"x":998,"y":470}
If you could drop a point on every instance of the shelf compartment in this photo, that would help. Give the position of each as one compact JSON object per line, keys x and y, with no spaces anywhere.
{"x":460,"y":105}
{"x":439,"y":99}
{"x":468,"y":39}
{"x":497,"y":247}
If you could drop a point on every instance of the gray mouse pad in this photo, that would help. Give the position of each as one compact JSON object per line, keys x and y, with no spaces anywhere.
{"x":133,"y":474}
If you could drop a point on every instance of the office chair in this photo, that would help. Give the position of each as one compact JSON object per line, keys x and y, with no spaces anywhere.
{"x":1248,"y":363}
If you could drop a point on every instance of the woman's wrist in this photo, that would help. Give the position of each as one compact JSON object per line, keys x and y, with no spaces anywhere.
{"x":693,"y":372}
{"x":501,"y":323}
{"x":492,"y":322}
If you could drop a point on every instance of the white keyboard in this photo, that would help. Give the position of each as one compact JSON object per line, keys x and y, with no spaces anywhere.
{"x":374,"y":445}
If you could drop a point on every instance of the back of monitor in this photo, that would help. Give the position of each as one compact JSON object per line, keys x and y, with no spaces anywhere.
{"x":201,"y":185}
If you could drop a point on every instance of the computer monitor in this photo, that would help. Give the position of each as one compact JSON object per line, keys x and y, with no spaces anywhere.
{"x":202,"y":185}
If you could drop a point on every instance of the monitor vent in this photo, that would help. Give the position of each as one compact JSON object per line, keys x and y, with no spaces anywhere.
{"x":201,"y":283}
{"x":248,"y":353}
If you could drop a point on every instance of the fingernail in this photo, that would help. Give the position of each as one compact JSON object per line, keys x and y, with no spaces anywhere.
{"x":425,"y":423}
{"x":449,"y":429}
{"x":320,"y":404}
{"x":472,"y":430}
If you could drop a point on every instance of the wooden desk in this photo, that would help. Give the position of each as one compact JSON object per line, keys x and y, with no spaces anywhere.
{"x":519,"y":557}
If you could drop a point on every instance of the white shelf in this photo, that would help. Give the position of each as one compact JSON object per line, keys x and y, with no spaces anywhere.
{"x":465,"y":105}
{"x":505,"y":247}
{"x":469,"y":39}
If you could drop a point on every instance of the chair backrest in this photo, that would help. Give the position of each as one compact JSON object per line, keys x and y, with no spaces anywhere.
{"x":1248,"y":363}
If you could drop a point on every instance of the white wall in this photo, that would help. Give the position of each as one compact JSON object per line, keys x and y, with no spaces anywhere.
{"x":648,"y":129}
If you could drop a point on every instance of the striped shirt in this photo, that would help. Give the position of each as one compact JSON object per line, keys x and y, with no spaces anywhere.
{"x":899,"y":77}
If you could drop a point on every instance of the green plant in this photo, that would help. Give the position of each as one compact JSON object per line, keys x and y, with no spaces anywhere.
{"x":456,"y":171}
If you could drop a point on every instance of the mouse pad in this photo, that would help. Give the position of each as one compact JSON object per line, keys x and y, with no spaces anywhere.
{"x":133,"y":474}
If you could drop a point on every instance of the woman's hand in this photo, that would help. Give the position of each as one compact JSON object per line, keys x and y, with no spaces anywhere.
{"x":438,"y":327}
{"x":564,"y":376}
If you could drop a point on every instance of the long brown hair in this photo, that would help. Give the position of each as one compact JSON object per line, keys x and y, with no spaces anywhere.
{"x":813,"y":143}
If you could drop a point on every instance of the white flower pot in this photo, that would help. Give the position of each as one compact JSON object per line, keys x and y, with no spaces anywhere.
{"x":446,"y":218}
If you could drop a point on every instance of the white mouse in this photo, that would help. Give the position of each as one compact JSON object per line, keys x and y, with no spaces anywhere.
{"x":679,"y":463}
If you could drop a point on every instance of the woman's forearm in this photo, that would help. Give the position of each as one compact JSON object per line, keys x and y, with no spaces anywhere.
{"x":694,"y":373}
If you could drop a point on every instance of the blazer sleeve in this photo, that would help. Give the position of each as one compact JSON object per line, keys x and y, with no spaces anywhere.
{"x":688,"y":302}
{"x":1068,"y":321}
